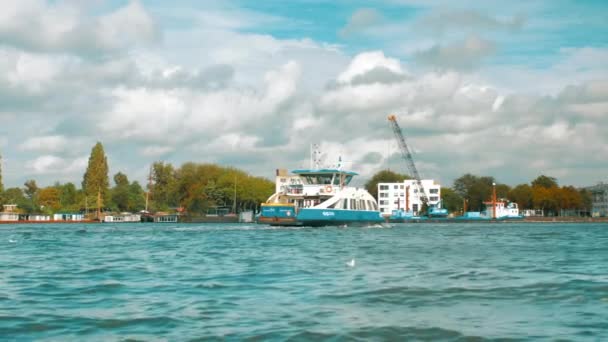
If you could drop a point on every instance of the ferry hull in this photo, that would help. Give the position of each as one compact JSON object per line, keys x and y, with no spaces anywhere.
{"x":317,"y":217}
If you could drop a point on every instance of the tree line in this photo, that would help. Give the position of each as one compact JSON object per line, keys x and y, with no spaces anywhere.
{"x":193,"y":188}
{"x":542,"y":193}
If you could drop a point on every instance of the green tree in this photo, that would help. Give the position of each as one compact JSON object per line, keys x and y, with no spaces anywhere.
{"x":384,"y":176}
{"x":120,"y":192}
{"x":586,"y":199}
{"x":137,"y":197}
{"x":96,"y":176}
{"x":1,"y":185}
{"x":475,"y":189}
{"x":68,"y":196}
{"x":16,"y":196}
{"x":451,"y":200}
{"x":502,"y":191}
{"x":545,"y":182}
{"x":522,"y":195}
{"x":163,"y":181}
{"x":31,"y":191}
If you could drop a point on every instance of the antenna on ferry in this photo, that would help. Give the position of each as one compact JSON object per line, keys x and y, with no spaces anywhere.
{"x":315,"y":158}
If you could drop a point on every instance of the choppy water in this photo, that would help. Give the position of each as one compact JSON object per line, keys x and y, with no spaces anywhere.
{"x":187,"y":282}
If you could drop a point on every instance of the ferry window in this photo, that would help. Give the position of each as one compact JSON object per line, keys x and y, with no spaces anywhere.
{"x":352,"y":204}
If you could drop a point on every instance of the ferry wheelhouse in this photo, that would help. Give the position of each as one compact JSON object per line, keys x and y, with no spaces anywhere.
{"x":318,"y":197}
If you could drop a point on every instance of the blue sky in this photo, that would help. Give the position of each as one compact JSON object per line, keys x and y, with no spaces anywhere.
{"x":506,"y":89}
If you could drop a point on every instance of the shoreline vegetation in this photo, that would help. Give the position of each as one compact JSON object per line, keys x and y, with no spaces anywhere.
{"x":196,"y":189}
{"x":191,"y":189}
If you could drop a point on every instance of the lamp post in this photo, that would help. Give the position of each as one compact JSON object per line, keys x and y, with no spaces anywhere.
{"x":494,"y":201}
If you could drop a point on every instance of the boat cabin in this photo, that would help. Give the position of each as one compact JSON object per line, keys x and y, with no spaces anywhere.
{"x":311,"y":182}
{"x":503,"y":210}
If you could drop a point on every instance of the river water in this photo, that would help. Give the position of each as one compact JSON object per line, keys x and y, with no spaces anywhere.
{"x":186,"y":282}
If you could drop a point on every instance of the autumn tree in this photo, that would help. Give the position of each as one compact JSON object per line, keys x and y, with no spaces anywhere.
{"x":96,"y":176}
{"x":384,"y":176}
{"x":50,"y":199}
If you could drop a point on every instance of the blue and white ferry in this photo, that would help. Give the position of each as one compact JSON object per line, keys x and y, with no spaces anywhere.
{"x":318,"y":197}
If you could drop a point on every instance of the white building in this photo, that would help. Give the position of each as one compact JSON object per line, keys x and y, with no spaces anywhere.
{"x":405,"y":196}
{"x":599,"y":200}
{"x":9,"y":213}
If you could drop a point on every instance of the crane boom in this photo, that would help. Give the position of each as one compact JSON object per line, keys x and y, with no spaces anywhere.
{"x":407,"y":156}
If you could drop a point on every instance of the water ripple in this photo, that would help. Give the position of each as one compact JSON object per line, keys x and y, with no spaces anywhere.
{"x":459,"y":282}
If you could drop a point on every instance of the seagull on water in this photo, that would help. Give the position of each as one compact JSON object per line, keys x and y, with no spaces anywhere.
{"x":351,"y":263}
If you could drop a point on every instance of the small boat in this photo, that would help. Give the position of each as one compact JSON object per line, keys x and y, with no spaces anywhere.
{"x":318,"y":197}
{"x":505,"y":211}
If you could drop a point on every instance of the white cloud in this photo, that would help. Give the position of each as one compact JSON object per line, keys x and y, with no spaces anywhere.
{"x":52,"y":143}
{"x":50,"y":164}
{"x":40,"y":25}
{"x":368,"y":61}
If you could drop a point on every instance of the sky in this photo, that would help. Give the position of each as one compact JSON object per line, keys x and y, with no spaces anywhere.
{"x":509,"y":89}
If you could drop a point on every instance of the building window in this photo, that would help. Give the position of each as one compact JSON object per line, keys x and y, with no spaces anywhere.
{"x":395,"y":187}
{"x":401,"y":187}
{"x":383,"y":187}
{"x":434,"y":198}
{"x":383,"y":202}
{"x":434,"y":191}
{"x":383,"y":194}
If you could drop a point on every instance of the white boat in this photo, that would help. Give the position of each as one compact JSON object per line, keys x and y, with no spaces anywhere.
{"x":318,"y":197}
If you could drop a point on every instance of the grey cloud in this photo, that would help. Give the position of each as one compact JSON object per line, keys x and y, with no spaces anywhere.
{"x":464,"y":55}
{"x":592,"y":91}
{"x":371,"y":158}
{"x":445,"y":20}
{"x":362,"y":19}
